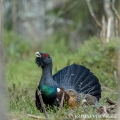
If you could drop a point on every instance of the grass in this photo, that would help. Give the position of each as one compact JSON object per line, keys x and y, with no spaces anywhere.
{"x":22,"y":74}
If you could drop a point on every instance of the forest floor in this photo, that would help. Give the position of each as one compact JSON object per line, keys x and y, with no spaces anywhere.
{"x":22,"y":77}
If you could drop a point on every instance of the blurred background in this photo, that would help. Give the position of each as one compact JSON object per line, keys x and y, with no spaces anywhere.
{"x":71,"y":20}
{"x":86,"y":32}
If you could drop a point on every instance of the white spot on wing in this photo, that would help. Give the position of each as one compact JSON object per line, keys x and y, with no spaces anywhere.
{"x":58,"y":89}
{"x":84,"y":100}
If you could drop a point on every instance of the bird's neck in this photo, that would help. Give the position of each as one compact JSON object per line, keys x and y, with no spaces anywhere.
{"x":47,"y":72}
{"x":46,"y":77}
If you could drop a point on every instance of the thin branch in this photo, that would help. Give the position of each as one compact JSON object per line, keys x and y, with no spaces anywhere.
{"x":42,"y":103}
{"x":62,"y":100}
{"x":103,"y":31}
{"x":116,"y":26}
{"x":92,"y":14}
{"x":111,"y":107}
{"x":36,"y":117}
{"x":111,"y":102}
{"x":114,"y":9}
{"x":108,"y":29}
{"x":105,"y":110}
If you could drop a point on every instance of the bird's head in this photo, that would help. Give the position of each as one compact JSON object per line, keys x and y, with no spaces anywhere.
{"x":42,"y":59}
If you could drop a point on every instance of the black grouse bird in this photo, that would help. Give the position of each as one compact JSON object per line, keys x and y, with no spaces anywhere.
{"x":73,"y":80}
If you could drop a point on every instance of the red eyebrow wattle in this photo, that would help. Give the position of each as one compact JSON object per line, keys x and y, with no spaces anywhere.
{"x":45,"y":55}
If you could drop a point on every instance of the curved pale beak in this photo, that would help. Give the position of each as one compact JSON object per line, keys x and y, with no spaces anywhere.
{"x":37,"y":54}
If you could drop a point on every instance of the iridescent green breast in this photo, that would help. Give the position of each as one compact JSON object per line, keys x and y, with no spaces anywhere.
{"x":48,"y":91}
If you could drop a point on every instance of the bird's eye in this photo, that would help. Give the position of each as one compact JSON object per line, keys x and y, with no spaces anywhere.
{"x":46,"y":55}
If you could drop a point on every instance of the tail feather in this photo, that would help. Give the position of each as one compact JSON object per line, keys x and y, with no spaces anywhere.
{"x":87,"y":79}
{"x":97,"y":91}
{"x":92,"y":89}
{"x":70,"y":75}
{"x":79,"y":78}
{"x":98,"y":95}
{"x":60,"y":75}
{"x":89,"y":84}
{"x":83,"y":75}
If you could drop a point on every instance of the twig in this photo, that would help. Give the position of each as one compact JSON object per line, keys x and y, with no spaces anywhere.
{"x":111,"y":102}
{"x":111,"y":107}
{"x":42,"y":103}
{"x":92,"y":13}
{"x":61,"y":103}
{"x":114,"y":9}
{"x":105,"y":110}
{"x":36,"y":117}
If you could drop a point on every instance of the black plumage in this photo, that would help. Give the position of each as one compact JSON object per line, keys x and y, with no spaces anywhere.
{"x":74,"y":77}
{"x":79,"y":78}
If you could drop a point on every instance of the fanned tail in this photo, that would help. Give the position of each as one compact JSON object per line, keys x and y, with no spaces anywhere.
{"x":79,"y":78}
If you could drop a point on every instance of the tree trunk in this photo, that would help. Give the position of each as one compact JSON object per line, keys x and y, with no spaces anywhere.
{"x":29,"y":18}
{"x":118,"y":54}
{"x":110,"y":19}
{"x":2,"y":91}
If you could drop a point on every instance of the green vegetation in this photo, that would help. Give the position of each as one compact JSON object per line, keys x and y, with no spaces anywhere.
{"x":22,"y":74}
